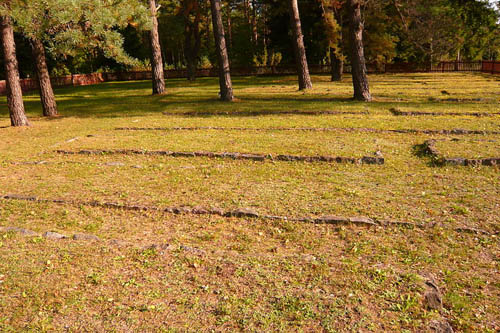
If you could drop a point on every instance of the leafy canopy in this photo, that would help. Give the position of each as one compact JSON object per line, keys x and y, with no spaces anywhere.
{"x":72,"y":26}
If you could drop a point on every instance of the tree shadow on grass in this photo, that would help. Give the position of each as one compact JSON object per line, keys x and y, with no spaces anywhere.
{"x":132,"y":99}
{"x":119,"y":104}
{"x":120,"y":99}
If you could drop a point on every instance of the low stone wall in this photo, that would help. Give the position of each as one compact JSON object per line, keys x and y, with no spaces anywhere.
{"x":243,"y":213}
{"x":430,"y":149}
{"x":235,"y":156}
{"x":455,"y":131}
{"x":398,"y":112}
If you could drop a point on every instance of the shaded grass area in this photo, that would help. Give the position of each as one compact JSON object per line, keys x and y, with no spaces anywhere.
{"x":246,"y":274}
{"x":406,"y":92}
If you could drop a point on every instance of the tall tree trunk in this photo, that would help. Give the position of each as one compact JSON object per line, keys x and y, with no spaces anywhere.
{"x":156,"y":60}
{"x":14,"y":91}
{"x":188,"y":46}
{"x":246,"y":10}
{"x":255,"y":33}
{"x":337,"y":66}
{"x":192,"y":37}
{"x":336,"y":56}
{"x":298,"y":46}
{"x":46,"y":93}
{"x":359,"y":77}
{"x":229,"y":26}
{"x":226,"y":86}
{"x":265,"y":35}
{"x":190,"y":57}
{"x":192,"y":51}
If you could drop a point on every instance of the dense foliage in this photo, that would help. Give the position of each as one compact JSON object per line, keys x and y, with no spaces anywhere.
{"x":257,"y":32}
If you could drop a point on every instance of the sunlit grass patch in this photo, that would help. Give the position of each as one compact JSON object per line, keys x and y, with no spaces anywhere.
{"x":470,"y":147}
{"x":152,"y":271}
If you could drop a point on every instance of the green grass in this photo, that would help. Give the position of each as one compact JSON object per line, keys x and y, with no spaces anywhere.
{"x":251,"y":275}
{"x":471,"y":147}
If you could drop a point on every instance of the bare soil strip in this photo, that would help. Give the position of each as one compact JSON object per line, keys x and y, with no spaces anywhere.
{"x":397,"y":112}
{"x":238,"y":213}
{"x":455,"y":131}
{"x":234,"y":156}
{"x":429,"y":148}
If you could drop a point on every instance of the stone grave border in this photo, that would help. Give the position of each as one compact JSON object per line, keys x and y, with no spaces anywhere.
{"x":429,"y":148}
{"x":235,"y":156}
{"x":237,"y":213}
{"x":455,"y":131}
{"x":264,"y":113}
{"x":397,"y":112}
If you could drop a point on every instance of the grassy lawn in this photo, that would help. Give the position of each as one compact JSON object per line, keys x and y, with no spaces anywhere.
{"x":155,"y":271}
{"x":471,"y":147}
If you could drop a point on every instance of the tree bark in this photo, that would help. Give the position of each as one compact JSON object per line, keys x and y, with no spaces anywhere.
{"x":14,"y":91}
{"x":359,"y":77}
{"x":337,"y":66}
{"x":336,"y":55}
{"x":46,"y":92}
{"x":190,"y":57}
{"x":226,"y":86}
{"x":255,"y":33}
{"x":229,"y":26}
{"x":192,"y":37}
{"x":156,"y":59}
{"x":298,"y":47}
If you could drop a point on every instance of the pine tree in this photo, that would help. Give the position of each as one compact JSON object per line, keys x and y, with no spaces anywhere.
{"x":226,"y":85}
{"x":68,"y":27}
{"x":359,"y":76}
{"x":156,"y":58}
{"x":14,"y":91}
{"x":298,"y":46}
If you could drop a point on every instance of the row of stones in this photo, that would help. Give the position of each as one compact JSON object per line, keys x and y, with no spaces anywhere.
{"x":240,"y":213}
{"x":92,"y":238}
{"x":236,"y":156}
{"x":431,"y":150}
{"x":49,"y":234}
{"x":160,"y":248}
{"x":394,"y":111}
{"x":463,"y":100}
{"x":456,"y":131}
{"x":265,"y":112}
{"x":398,"y":112}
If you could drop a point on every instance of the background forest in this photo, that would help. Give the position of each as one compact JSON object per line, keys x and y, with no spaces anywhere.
{"x":258,"y":34}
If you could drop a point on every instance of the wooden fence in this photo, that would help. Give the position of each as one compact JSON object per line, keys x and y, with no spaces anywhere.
{"x":492,"y":67}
